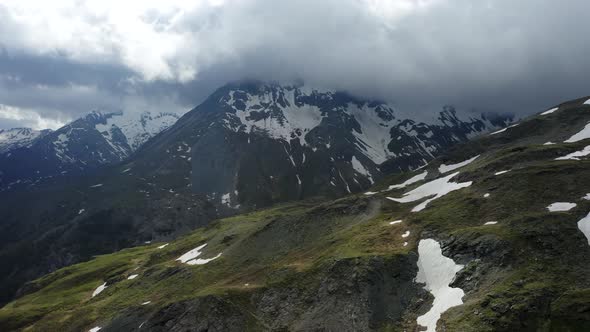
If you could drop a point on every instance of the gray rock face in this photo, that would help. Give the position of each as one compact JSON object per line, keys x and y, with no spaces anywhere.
{"x":253,"y":144}
{"x":350,"y":295}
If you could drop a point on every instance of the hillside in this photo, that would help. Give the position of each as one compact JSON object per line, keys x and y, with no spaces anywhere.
{"x":89,"y":190}
{"x":492,"y":236}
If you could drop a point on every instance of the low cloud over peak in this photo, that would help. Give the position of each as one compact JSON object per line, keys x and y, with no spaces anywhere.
{"x":65,"y":58}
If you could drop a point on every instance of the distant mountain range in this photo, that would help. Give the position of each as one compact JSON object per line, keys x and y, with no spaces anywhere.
{"x":15,"y":138}
{"x":97,"y":139}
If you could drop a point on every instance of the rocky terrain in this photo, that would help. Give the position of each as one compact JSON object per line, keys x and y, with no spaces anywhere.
{"x":492,"y":235}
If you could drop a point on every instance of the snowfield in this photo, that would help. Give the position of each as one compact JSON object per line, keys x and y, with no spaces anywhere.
{"x":447,"y":168}
{"x":437,"y":272}
{"x":437,"y":188}
{"x":410,"y":181}
{"x":561,"y":206}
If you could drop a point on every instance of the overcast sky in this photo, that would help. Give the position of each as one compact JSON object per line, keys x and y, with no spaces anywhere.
{"x":60,"y":59}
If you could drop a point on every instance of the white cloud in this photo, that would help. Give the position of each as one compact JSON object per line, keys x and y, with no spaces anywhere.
{"x":28,"y":118}
{"x":420,"y":54}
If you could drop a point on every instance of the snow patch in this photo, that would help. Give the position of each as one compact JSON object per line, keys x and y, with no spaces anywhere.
{"x":359,"y":168}
{"x":503,"y":130}
{"x":437,"y":272}
{"x":406,"y":234}
{"x":190,"y":257}
{"x":576,"y":155}
{"x":550,"y":111}
{"x":584,"y":226}
{"x":96,"y":185}
{"x":490,"y":223}
{"x":95,"y":329}
{"x":81,"y":211}
{"x":486,"y":195}
{"x":412,"y":180}
{"x":561,"y":206}
{"x":437,"y":188}
{"x":548,"y":143}
{"x":371,"y":193}
{"x":447,"y":168}
{"x":163,"y":246}
{"x":587,"y":197}
{"x":501,"y":172}
{"x":583,"y":134}
{"x":133,"y":276}
{"x":99,"y":289}
{"x":395,"y":222}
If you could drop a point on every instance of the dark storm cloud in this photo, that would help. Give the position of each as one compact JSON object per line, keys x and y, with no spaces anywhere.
{"x":518,"y":56}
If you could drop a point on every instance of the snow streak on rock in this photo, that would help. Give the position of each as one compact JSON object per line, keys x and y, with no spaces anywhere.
{"x":583,"y":134}
{"x":584,"y":227}
{"x":447,"y":168}
{"x":412,"y":180}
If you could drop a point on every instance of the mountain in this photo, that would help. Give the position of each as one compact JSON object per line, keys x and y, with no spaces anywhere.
{"x":254,"y":144}
{"x":286,"y":143}
{"x":492,"y":235}
{"x":83,"y":145}
{"x":19,"y":137}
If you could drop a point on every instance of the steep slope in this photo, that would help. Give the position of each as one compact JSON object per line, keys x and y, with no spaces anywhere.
{"x":84,"y":145}
{"x":217,"y":160}
{"x":491,"y":236}
{"x":255,"y":144}
{"x":15,"y":138}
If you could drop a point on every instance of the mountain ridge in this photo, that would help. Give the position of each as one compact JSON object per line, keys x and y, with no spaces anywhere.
{"x":359,"y":262}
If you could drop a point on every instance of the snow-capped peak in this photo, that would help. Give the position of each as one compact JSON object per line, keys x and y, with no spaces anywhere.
{"x":137,"y":128}
{"x":18,"y":137}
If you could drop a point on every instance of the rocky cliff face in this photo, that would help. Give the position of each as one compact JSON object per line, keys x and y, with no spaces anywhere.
{"x":254,"y":144}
